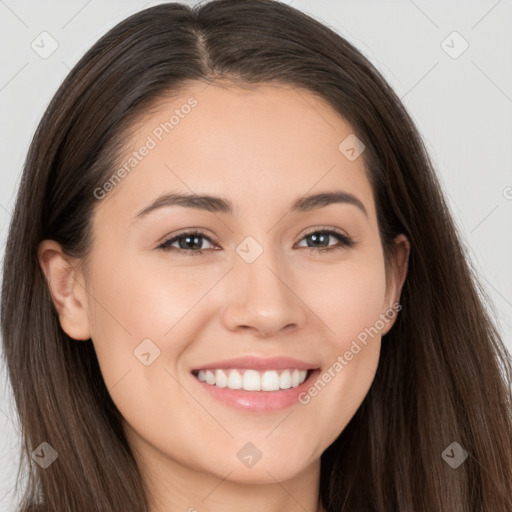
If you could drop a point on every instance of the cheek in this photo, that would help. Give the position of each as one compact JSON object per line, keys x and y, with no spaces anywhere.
{"x":128,"y":306}
{"x":132,"y":301}
{"x":143,"y":320}
{"x":350,"y":306}
{"x":132,"y":304}
{"x":349,"y":299}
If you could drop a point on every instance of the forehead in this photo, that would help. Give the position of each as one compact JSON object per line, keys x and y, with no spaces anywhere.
{"x":259,"y":144}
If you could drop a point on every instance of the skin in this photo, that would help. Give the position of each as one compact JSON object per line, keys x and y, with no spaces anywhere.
{"x":262,"y":148}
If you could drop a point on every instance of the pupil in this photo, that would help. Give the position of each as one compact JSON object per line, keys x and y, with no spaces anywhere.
{"x":190,"y":240}
{"x":316,"y":237}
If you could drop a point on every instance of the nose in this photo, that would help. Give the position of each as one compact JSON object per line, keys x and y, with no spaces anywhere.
{"x":262,"y":297}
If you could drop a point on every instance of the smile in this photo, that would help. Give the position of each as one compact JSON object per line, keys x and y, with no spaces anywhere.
{"x":253,"y":380}
{"x":255,"y":384}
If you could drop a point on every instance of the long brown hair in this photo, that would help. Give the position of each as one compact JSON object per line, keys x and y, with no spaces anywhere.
{"x":444,"y":373}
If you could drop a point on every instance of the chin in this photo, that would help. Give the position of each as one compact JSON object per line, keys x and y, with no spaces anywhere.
{"x":268,"y":469}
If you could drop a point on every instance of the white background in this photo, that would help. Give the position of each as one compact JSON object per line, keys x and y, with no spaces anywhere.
{"x":462,"y":106}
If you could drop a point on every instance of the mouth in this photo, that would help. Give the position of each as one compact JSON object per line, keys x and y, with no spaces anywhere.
{"x":254,"y":384}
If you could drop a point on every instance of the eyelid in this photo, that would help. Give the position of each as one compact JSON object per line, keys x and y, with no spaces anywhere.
{"x":189,"y":231}
{"x":314,"y":229}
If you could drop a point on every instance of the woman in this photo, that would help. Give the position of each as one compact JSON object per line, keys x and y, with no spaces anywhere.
{"x":326,"y":351}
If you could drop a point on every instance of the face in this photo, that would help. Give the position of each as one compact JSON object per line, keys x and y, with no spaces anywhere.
{"x":195,"y":304}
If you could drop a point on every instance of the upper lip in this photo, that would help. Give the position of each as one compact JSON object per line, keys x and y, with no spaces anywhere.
{"x":258,"y":363}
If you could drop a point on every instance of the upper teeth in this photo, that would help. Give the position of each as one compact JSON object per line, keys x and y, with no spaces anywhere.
{"x":252,"y":380}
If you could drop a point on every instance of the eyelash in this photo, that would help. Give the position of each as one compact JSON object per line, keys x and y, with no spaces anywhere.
{"x":345,"y":241}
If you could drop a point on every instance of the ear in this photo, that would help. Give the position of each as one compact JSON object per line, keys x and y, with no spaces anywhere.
{"x":396,"y":279}
{"x":67,"y":288}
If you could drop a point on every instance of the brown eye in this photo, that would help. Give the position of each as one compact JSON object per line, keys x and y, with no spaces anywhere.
{"x":189,"y":242}
{"x":319,"y":240}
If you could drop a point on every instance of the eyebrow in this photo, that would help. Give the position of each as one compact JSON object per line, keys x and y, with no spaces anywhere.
{"x":217,"y":204}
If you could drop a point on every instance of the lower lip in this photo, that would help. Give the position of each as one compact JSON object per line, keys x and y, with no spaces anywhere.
{"x":258,"y":401}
